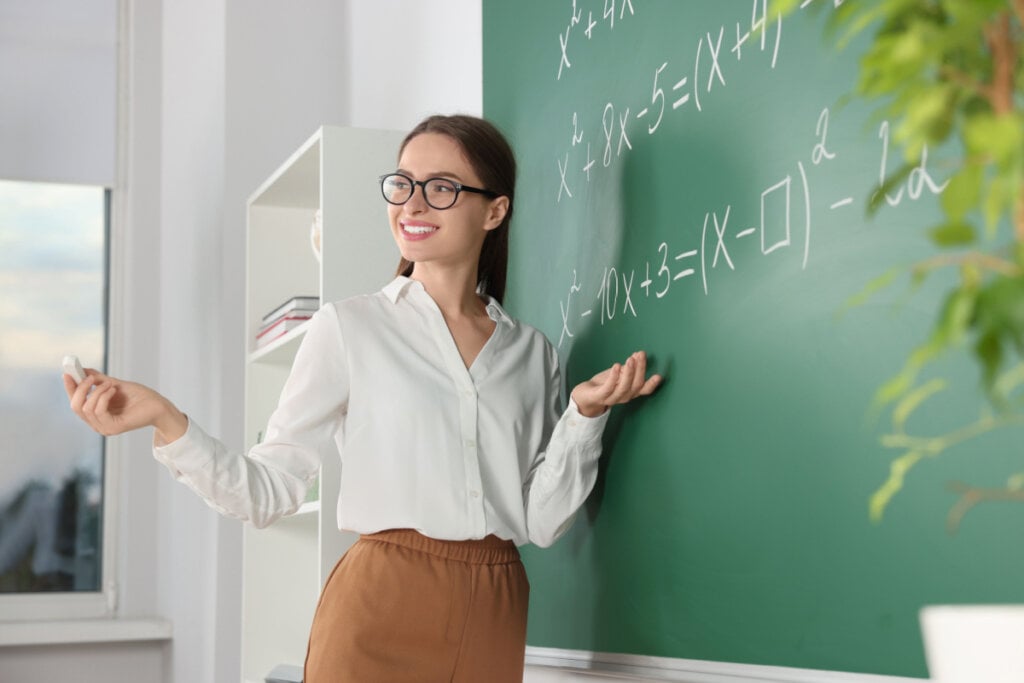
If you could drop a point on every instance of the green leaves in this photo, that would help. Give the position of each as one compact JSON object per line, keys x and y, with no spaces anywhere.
{"x":963,"y":193}
{"x":952,"y":234}
{"x":939,"y":71}
{"x":997,"y":139}
{"x":930,"y":66}
{"x":1000,"y":325}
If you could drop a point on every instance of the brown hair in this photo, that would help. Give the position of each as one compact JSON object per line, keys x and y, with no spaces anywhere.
{"x":492,"y":159}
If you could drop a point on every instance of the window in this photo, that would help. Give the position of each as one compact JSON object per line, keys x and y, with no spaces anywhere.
{"x":53,"y":300}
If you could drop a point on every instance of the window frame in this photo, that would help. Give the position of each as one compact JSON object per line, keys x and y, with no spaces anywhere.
{"x":103,"y":603}
{"x":100,"y":603}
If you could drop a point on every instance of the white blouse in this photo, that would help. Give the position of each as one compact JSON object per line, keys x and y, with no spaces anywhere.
{"x":425,"y":443}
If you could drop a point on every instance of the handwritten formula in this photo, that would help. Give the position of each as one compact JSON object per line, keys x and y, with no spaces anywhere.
{"x":789,"y":206}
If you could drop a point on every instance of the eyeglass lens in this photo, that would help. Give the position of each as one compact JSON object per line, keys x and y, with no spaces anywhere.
{"x":438,"y":192}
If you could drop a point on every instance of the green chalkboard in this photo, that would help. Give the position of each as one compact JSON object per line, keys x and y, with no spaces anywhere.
{"x":698,"y":192}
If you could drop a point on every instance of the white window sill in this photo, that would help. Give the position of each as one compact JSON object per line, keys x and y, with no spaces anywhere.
{"x":83,"y":631}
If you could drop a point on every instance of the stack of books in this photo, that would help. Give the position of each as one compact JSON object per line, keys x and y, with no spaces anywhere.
{"x":286,"y":317}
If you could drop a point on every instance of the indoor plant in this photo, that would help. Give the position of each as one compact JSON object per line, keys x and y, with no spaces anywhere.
{"x":949,"y":74}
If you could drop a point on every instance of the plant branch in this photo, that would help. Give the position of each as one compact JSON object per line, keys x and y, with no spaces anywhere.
{"x":933,"y":445}
{"x":999,"y":35}
{"x":959,"y":77}
{"x":1018,"y":9}
{"x":971,"y":496}
{"x":986,"y":261}
{"x":1018,"y":218}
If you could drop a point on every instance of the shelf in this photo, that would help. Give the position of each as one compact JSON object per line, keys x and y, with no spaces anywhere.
{"x":282,"y":350}
{"x":310,"y":508}
{"x":297,"y":181}
{"x":285,"y":564}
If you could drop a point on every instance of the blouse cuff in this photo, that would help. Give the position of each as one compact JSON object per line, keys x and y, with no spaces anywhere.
{"x":189,"y":452}
{"x":588,"y":427}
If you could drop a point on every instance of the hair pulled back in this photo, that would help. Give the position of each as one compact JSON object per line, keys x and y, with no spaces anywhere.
{"x":492,"y":159}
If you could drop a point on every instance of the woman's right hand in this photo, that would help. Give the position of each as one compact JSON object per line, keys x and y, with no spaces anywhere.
{"x":112,"y":406}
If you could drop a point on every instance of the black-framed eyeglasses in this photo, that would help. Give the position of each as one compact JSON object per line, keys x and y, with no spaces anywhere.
{"x":440,"y":193}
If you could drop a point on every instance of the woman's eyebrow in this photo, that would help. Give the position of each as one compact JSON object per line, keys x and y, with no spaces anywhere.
{"x":433,"y":174}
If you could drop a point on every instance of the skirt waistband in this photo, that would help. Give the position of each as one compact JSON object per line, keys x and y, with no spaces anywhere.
{"x":489,"y":550}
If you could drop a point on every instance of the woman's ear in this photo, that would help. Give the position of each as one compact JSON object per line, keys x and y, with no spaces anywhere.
{"x":496,"y":212}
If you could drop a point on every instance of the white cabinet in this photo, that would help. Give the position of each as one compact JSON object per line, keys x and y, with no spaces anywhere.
{"x":335,"y":172}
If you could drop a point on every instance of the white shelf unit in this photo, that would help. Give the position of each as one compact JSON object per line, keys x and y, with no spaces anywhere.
{"x":285,"y":565}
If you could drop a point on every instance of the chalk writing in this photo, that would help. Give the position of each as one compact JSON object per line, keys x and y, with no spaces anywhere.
{"x":708,"y":74}
{"x":606,"y":15}
{"x":622,"y":291}
{"x":775,"y":228}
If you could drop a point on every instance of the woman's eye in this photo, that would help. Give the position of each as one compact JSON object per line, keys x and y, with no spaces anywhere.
{"x":443,"y":188}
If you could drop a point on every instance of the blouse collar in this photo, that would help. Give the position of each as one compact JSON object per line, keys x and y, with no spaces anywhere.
{"x":401,"y":285}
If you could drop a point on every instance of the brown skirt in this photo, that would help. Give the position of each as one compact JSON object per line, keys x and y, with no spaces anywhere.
{"x":401,"y":608}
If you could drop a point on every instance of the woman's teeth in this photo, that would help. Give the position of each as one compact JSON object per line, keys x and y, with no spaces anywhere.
{"x":418,"y":229}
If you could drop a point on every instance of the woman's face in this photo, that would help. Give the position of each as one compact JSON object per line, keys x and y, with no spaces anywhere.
{"x":450,"y":237}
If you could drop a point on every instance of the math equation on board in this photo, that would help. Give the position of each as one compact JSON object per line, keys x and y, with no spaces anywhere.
{"x":787,"y":205}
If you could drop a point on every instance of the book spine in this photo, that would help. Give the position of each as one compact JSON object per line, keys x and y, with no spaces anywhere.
{"x":286,"y":323}
{"x":310,"y":304}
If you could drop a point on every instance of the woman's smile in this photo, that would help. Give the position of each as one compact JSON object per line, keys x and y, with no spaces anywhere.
{"x":417,"y":230}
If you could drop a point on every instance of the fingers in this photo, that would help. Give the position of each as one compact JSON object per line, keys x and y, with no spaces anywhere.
{"x":90,"y":399}
{"x":652,"y":383}
{"x":81,"y":389}
{"x":96,"y":405}
{"x":625,"y":383}
{"x":96,"y":408}
{"x":69,"y":386}
{"x":632,"y":381}
{"x":79,"y":392}
{"x":620,"y":383}
{"x":643,"y":385}
{"x":612,"y":376}
{"x":639,"y":372}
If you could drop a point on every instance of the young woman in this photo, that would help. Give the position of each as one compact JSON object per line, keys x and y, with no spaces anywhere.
{"x":446,"y":413}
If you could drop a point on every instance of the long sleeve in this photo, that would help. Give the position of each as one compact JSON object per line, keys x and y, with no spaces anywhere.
{"x":426,"y":442}
{"x":272,"y":479}
{"x":563,"y":475}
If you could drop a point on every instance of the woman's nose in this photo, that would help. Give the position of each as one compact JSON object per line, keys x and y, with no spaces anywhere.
{"x":418,"y":200}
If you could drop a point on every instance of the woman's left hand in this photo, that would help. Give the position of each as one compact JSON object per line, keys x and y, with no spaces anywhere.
{"x":620,"y":383}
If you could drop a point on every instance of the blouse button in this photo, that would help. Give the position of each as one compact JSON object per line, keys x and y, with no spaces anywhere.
{"x":475,"y":494}
{"x":470,"y":443}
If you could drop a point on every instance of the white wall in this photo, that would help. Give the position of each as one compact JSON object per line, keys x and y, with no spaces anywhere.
{"x":398,"y":48}
{"x":191,"y":208}
{"x":92,"y":663}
